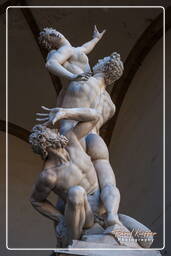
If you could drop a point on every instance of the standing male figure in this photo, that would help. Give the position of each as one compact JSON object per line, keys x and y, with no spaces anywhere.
{"x":92,"y":94}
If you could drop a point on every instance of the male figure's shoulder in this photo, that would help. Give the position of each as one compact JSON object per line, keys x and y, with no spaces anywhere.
{"x":48,"y":176}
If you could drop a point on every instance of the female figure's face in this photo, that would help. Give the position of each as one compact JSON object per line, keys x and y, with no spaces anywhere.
{"x":56,"y":40}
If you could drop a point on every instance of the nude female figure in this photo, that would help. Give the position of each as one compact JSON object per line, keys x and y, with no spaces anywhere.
{"x":65,"y":60}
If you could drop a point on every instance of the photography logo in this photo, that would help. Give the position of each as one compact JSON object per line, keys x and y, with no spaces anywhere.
{"x":134,"y":235}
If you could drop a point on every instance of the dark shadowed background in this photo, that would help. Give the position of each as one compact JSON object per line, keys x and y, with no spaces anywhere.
{"x":134,"y":136}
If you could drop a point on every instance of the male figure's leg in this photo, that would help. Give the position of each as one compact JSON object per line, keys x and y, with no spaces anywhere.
{"x":78,"y":213}
{"x":98,"y":151}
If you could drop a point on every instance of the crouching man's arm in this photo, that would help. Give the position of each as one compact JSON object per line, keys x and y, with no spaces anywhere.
{"x":39,"y":196}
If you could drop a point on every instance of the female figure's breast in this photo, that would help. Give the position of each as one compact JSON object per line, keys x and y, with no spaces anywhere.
{"x":78,"y":63}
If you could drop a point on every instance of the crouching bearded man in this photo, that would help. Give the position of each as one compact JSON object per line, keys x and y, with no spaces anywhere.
{"x":69,"y":173}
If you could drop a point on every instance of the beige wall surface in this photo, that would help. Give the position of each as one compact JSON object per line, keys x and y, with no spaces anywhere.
{"x":25,"y":226}
{"x":137,"y":145}
{"x":27,"y":229}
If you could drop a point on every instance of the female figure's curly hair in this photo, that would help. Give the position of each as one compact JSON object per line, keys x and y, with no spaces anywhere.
{"x":45,"y":35}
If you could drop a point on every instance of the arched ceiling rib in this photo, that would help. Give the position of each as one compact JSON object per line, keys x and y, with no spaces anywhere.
{"x":35,"y":31}
{"x":15,"y":130}
{"x":6,"y":4}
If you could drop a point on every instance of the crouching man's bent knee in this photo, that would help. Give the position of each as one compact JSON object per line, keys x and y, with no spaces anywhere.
{"x":78,"y":213}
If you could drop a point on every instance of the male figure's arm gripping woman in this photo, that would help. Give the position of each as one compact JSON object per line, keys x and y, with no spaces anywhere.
{"x":78,"y":213}
{"x":65,"y":60}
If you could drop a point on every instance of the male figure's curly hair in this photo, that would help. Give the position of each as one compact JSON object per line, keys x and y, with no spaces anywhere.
{"x":44,"y":34}
{"x":42,"y":137}
{"x":112,"y":69}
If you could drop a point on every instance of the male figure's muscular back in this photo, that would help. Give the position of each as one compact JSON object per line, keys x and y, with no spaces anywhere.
{"x":91,"y":94}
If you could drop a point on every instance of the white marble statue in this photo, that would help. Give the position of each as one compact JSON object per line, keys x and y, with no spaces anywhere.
{"x":76,"y":159}
{"x":64,"y":59}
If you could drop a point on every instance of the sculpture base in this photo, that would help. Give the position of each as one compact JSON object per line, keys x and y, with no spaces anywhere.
{"x":99,"y":252}
{"x":100,"y":245}
{"x":97,"y":241}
